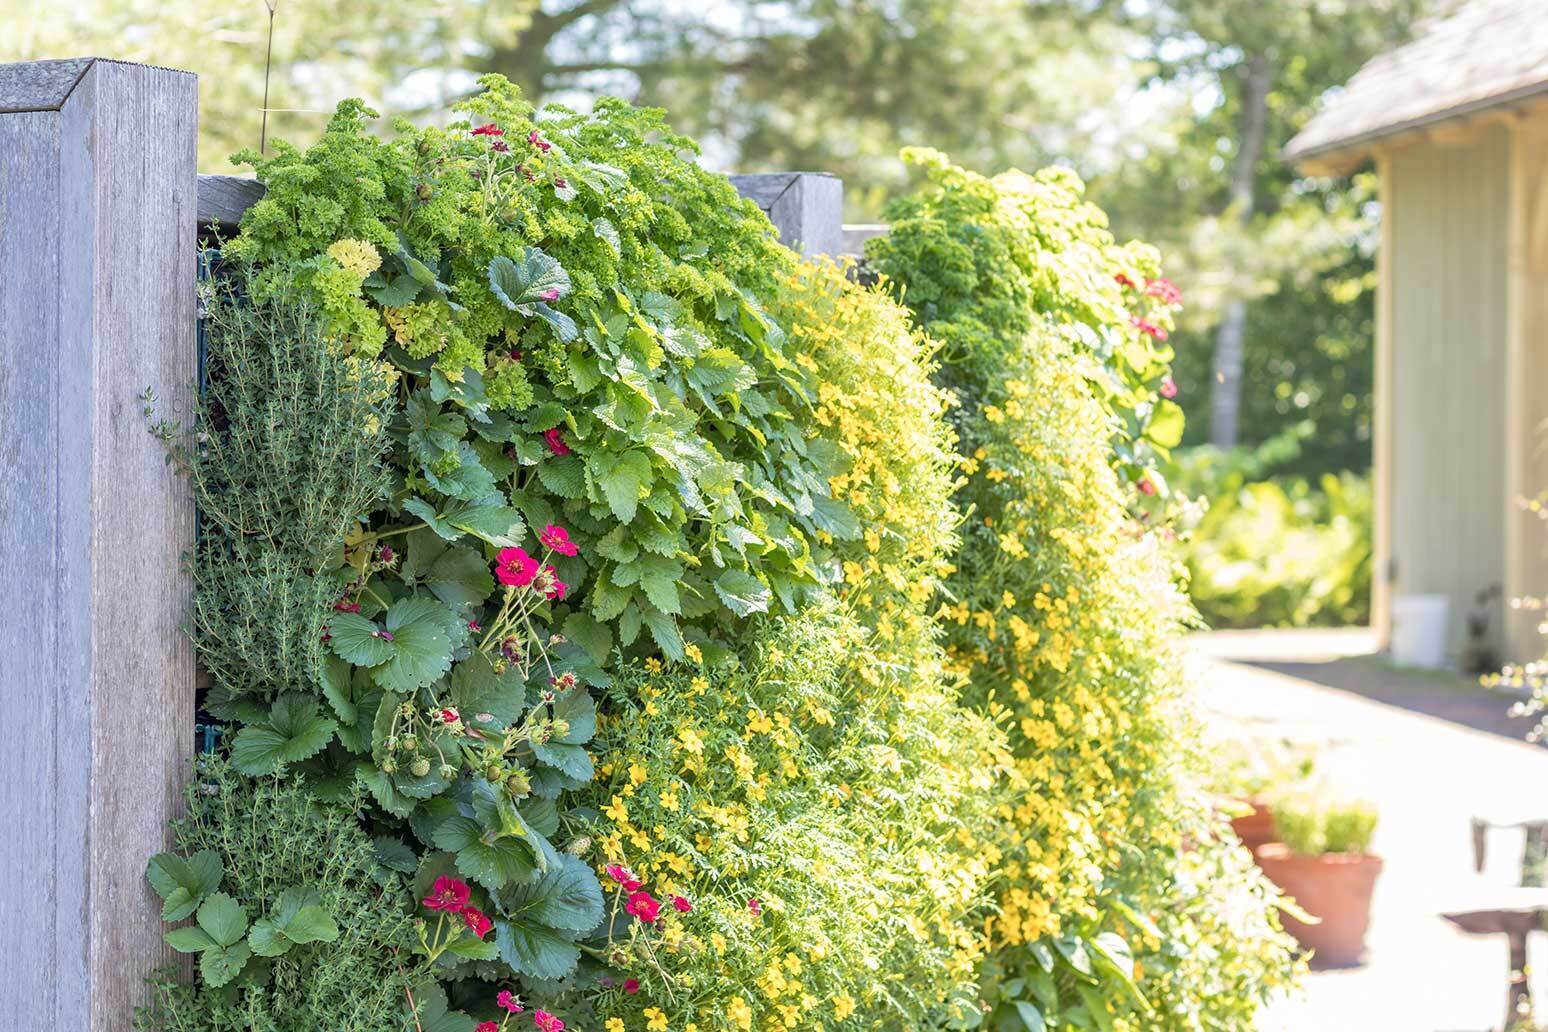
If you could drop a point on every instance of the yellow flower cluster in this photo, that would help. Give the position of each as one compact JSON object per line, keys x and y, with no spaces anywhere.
{"x":833,"y":777}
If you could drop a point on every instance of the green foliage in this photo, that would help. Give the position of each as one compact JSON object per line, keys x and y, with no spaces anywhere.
{"x":1312,"y":826}
{"x":296,"y":925}
{"x":603,"y":433}
{"x":290,"y":440}
{"x":659,"y":409}
{"x":984,"y":262}
{"x":1279,"y":552}
{"x":1063,"y":618}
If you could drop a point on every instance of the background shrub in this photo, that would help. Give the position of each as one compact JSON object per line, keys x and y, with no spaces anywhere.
{"x":1064,"y":618}
{"x":1275,"y":551}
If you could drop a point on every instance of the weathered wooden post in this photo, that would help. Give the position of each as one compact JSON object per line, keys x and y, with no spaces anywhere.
{"x":97,"y":262}
{"x":806,"y":207}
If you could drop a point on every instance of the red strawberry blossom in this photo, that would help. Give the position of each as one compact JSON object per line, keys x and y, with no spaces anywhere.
{"x":515,"y":567}
{"x":681,"y":905}
{"x":508,"y":1002}
{"x":476,"y":921}
{"x":554,"y":438}
{"x":487,"y":1026}
{"x":536,"y":139}
{"x":558,"y":539}
{"x":546,"y":1022}
{"x":631,"y":986}
{"x":754,"y":907}
{"x":555,"y":588}
{"x":1146,"y":487}
{"x":488,"y":129}
{"x":1146,"y":326}
{"x":624,"y":877}
{"x":449,"y":894}
{"x":643,"y":906}
{"x":1163,"y":290}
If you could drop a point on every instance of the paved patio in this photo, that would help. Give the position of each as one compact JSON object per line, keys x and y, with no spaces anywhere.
{"x":1432,"y":751}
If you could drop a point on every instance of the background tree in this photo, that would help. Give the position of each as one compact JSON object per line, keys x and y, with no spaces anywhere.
{"x":1245,"y":78}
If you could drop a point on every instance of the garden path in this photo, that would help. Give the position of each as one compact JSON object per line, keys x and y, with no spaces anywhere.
{"x":1431,"y":750}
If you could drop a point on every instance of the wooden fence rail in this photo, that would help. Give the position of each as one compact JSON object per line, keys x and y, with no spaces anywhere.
{"x":100,"y":209}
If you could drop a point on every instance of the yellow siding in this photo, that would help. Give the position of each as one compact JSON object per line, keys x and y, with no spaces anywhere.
{"x":1526,"y":562}
{"x":1449,"y":236}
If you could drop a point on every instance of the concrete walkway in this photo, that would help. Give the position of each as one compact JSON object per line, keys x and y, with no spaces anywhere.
{"x":1432,"y":751}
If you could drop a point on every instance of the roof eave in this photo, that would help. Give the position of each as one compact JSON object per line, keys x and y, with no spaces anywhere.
{"x":1350,"y":151}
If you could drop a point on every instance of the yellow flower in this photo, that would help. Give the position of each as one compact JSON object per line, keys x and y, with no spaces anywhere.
{"x":614,"y":1025}
{"x":617,"y":810}
{"x":669,"y":801}
{"x":656,"y":1020}
{"x":637,"y":774}
{"x":738,"y":1011}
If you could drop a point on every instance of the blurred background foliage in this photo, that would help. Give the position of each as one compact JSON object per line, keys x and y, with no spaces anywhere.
{"x":1174,"y":111}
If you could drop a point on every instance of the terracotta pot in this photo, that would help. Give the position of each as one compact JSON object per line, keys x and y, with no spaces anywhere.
{"x":1257,"y":827}
{"x":1335,"y":887}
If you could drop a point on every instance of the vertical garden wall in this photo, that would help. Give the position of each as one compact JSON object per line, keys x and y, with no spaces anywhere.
{"x":617,"y":621}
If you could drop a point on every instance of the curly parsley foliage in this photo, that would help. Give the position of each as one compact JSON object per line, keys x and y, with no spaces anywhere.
{"x":572,"y":311}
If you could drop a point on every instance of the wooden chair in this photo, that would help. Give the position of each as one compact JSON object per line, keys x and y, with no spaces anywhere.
{"x":1514,"y":911}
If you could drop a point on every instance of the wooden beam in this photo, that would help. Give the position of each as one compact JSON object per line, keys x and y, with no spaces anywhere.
{"x":1382,"y":573}
{"x":97,"y":263}
{"x":223,"y":200}
{"x":806,"y":207}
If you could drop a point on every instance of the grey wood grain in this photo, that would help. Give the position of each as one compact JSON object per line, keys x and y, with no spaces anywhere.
{"x":806,"y":207}
{"x":223,"y":200}
{"x":97,"y":252}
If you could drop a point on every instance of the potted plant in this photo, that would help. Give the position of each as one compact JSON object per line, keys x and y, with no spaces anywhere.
{"x":1259,"y":770}
{"x":1322,"y":860}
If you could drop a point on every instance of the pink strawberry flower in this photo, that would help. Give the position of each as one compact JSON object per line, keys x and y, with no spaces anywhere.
{"x":754,"y":907}
{"x":1146,"y":326}
{"x":487,"y":1026}
{"x":488,"y":129}
{"x":536,"y":139}
{"x":508,"y":1002}
{"x":631,"y":986}
{"x":643,"y":906}
{"x":477,"y":923}
{"x":551,"y":294}
{"x":558,"y":539}
{"x":681,"y":905}
{"x":546,"y":1022}
{"x":1145,"y":486}
{"x":554,"y":438}
{"x":448,"y":894}
{"x":1163,"y":290}
{"x":515,"y":567}
{"x":556,"y":589}
{"x":624,"y":877}
{"x":1169,"y":388}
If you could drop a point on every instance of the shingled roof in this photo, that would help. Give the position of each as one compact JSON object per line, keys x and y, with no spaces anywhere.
{"x":1491,"y":53}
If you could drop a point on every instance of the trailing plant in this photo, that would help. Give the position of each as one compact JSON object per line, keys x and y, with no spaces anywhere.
{"x":1061,"y":613}
{"x":984,"y":262}
{"x":820,"y":804}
